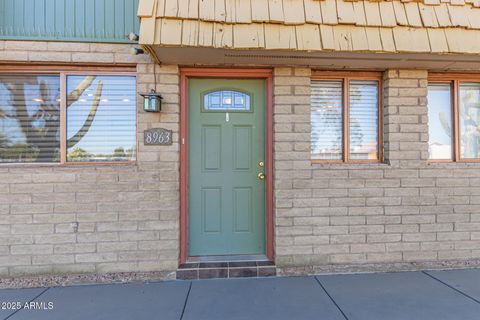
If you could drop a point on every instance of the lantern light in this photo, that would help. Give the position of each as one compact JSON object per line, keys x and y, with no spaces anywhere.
{"x":152,"y":101}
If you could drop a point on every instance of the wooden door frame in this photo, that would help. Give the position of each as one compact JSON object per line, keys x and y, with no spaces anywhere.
{"x":227,"y":73}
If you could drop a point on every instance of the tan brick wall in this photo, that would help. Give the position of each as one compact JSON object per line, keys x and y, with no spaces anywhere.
{"x":94,"y":218}
{"x":68,"y":52}
{"x":402,"y":214}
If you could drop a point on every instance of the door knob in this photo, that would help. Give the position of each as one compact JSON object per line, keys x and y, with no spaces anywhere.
{"x":261,"y":176}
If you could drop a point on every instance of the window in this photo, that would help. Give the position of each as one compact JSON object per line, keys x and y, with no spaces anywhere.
{"x":101,"y":118}
{"x":226,"y":100}
{"x":345,"y":118}
{"x":469,"y":116}
{"x":440,"y":121}
{"x":29,"y":118}
{"x":454,"y":118}
{"x":92,"y":120}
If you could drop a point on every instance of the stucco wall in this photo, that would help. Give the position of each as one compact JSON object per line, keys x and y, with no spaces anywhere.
{"x":402,"y":214}
{"x":94,"y":218}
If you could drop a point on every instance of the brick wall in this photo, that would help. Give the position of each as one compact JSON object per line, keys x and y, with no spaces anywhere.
{"x":94,"y":219}
{"x":403,"y":214}
{"x":400,"y":214}
{"x":67,"y":52}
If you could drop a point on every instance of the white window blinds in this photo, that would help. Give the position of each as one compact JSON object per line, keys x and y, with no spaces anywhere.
{"x":326,"y":119}
{"x":363,"y":119}
{"x":101,"y":118}
{"x":333,"y":131}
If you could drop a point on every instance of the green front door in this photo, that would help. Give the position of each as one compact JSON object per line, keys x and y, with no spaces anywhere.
{"x":226,"y":143}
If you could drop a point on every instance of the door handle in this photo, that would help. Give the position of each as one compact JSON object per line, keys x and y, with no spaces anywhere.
{"x":261,"y":176}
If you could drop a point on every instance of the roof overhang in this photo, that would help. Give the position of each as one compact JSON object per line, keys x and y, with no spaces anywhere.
{"x":434,"y":34}
{"x":318,"y":60}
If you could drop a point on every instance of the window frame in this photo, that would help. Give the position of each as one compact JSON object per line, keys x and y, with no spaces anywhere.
{"x":63,"y":72}
{"x":346,"y":77}
{"x":454,"y":79}
{"x":233,"y":89}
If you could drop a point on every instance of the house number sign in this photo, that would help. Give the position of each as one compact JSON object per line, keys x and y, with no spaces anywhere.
{"x":157,"y":136}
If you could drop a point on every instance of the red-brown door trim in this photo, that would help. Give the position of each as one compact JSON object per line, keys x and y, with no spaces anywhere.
{"x":186,"y":73}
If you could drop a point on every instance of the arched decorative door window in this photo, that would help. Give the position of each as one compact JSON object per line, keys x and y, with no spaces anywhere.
{"x":227,"y":100}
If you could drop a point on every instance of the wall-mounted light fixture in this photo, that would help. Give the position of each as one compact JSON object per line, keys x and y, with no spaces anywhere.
{"x":152,"y":101}
{"x":136,"y":51}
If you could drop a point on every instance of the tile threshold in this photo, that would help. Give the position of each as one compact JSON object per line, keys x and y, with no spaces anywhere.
{"x":222,"y":270}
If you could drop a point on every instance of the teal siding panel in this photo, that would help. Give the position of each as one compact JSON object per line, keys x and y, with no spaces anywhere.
{"x":39,"y":16}
{"x":127,"y":18}
{"x":19,"y":16}
{"x":80,"y":18}
{"x":29,"y":16}
{"x":50,"y":18}
{"x":119,"y":25}
{"x":110,"y":19}
{"x":3,"y":4}
{"x":99,"y":20}
{"x":59,"y":18}
{"x":68,"y":20}
{"x":90,"y":19}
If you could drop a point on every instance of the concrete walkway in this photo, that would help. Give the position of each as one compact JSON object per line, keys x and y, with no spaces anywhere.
{"x":452,"y":295}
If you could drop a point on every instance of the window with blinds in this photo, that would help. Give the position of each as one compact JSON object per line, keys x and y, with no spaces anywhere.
{"x":29,"y":118}
{"x":327,"y":120}
{"x":454,"y":117}
{"x":101,"y":118}
{"x":363,"y":120}
{"x":97,"y":118}
{"x":345,"y":126}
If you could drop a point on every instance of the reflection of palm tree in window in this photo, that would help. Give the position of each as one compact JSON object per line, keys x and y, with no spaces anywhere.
{"x":37,"y":119}
{"x":74,"y":96}
{"x":445,"y":122}
{"x":329,"y":117}
{"x":329,"y":131}
{"x":469,"y":113}
{"x":41,"y":128}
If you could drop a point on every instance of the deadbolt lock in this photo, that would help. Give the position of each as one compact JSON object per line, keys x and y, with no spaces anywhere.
{"x":261,"y":164}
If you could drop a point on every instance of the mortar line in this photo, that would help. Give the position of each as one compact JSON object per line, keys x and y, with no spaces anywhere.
{"x":451,"y":287}
{"x":34,"y":298}
{"x":186,"y":300}
{"x":331,"y":298}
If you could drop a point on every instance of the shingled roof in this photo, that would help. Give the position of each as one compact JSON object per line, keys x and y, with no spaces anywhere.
{"x":425,"y":26}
